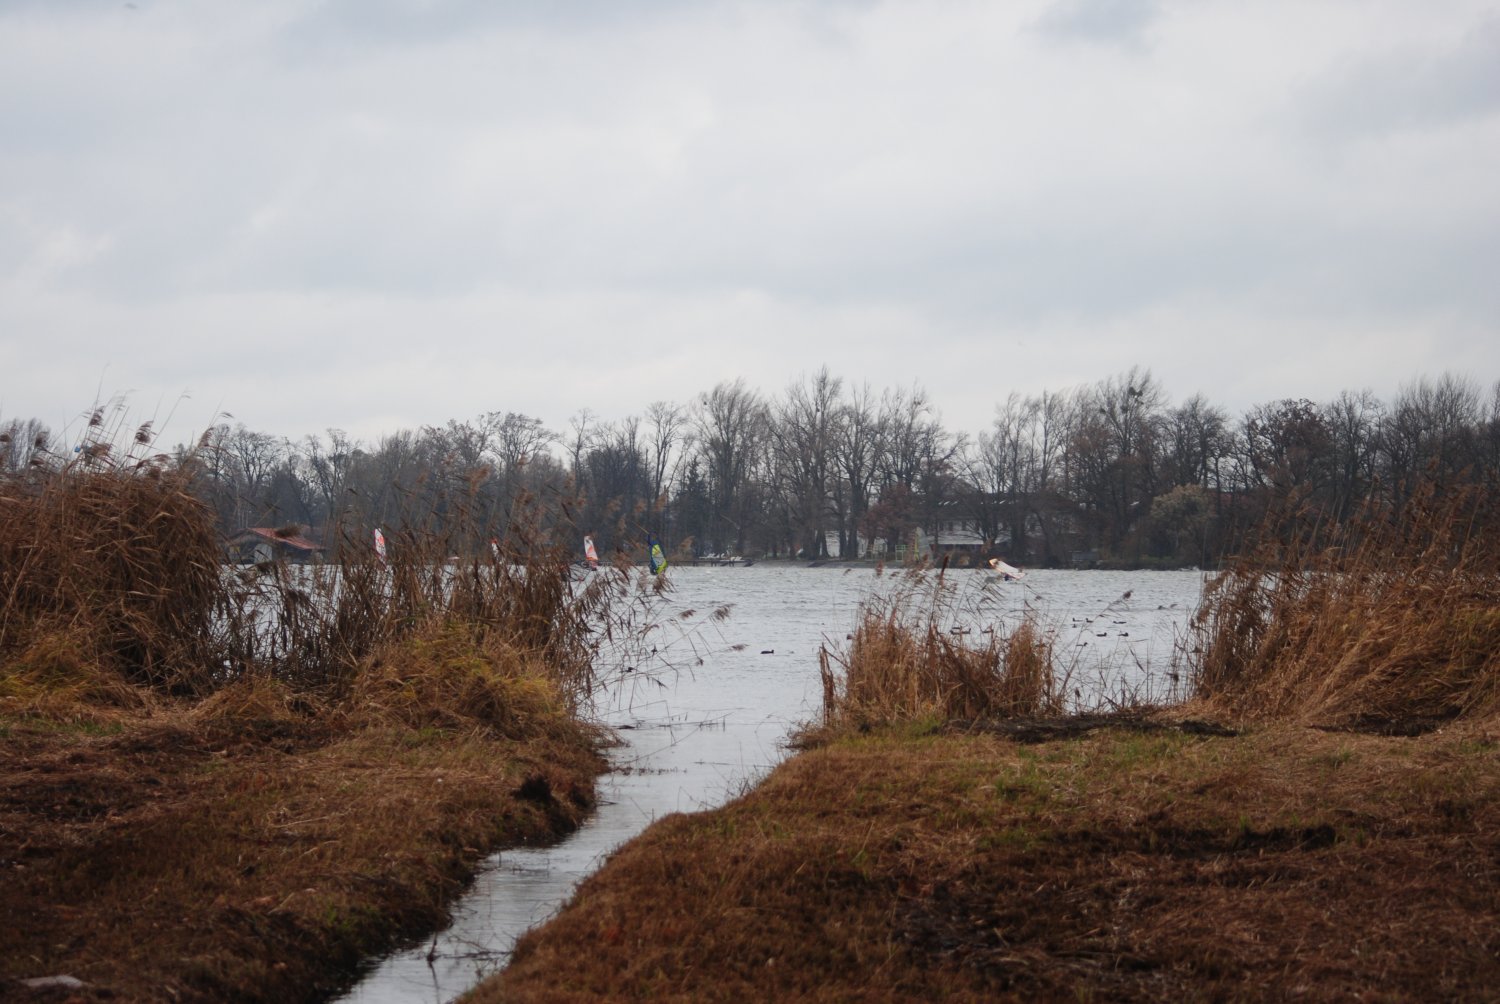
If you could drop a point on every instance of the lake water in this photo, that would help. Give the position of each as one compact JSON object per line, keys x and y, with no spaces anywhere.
{"x":710,"y":712}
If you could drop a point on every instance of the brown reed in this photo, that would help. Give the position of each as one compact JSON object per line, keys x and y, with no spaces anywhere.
{"x":116,"y":566}
{"x":111,"y":572}
{"x":1394,"y":618}
{"x":901,"y":666}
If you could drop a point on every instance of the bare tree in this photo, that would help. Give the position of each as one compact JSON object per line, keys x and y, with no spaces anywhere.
{"x":1353,"y":420}
{"x":918,"y":454}
{"x":1488,"y":441}
{"x":857,"y":454}
{"x":730,"y":422}
{"x":236,"y":465}
{"x":585,"y":427}
{"x":1288,"y":445}
{"x":1196,"y":437}
{"x":614,"y":483}
{"x":803,"y":435}
{"x":997,"y":470}
{"x":327,"y":470}
{"x":911,"y":432}
{"x":1113,"y":453}
{"x":518,"y":440}
{"x":1046,"y":459}
{"x":668,"y":436}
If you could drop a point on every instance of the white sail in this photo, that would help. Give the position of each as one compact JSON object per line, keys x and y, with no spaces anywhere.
{"x":1010,"y":572}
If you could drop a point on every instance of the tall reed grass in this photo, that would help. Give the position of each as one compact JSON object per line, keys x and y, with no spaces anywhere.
{"x":108,"y":567}
{"x":1394,"y":617}
{"x":902,"y":665}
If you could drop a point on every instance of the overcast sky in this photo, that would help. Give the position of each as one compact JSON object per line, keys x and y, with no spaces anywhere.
{"x":382,"y":214}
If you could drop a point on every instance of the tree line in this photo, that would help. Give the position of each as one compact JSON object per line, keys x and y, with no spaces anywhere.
{"x":1111,"y":472}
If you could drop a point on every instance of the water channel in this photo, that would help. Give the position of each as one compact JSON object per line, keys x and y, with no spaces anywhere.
{"x":711,"y":714}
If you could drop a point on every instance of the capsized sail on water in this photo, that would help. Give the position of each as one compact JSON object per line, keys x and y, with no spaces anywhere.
{"x":589,"y":552}
{"x":1010,"y":572}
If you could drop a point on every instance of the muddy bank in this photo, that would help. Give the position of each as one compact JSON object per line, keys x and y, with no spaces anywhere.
{"x":1103,"y":863}
{"x":179,"y":857}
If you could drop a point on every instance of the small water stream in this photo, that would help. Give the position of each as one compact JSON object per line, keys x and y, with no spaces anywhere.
{"x":714,"y":715}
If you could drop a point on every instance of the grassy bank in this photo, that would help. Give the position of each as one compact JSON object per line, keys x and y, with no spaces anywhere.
{"x":248,"y":853}
{"x":1321,"y":821}
{"x":234,"y":784}
{"x":1121,"y":864}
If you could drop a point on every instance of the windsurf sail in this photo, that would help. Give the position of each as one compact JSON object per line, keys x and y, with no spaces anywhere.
{"x":1010,"y":572}
{"x":380,"y":545}
{"x":589,"y":552}
{"x":658,"y":559}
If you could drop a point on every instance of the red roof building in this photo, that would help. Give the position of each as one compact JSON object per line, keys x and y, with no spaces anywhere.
{"x":262,"y":543}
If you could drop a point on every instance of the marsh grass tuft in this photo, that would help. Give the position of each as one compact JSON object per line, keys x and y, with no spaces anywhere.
{"x":902,"y":665}
{"x":56,"y":673}
{"x":447,"y":678}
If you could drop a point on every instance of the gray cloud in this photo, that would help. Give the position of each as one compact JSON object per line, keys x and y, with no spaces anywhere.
{"x":316,"y":216}
{"x":1411,"y":87}
{"x":1118,"y":21}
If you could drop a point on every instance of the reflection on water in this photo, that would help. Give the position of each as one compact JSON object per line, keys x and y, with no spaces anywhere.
{"x":711,"y":715}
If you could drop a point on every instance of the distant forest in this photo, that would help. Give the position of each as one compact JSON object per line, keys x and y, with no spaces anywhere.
{"x":1110,"y":473}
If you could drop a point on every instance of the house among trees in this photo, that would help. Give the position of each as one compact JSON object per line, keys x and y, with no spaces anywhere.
{"x":256,"y":544}
{"x":958,"y":534}
{"x":954,"y":535}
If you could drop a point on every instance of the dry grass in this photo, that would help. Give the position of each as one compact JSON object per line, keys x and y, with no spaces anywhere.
{"x":1126,"y":865}
{"x":1391,"y":620}
{"x":902,"y":666}
{"x":446,"y":678}
{"x":114,"y":569}
{"x":318,"y":627}
{"x":243,"y":849}
{"x":113,"y":590}
{"x":58,"y":675}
